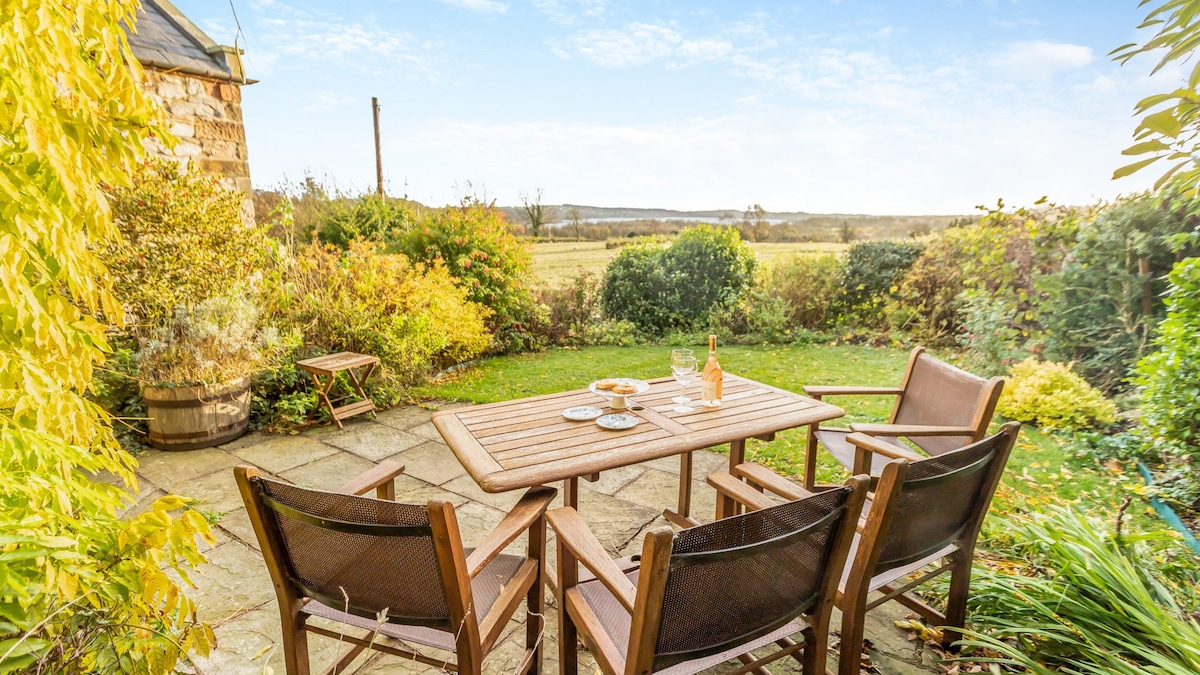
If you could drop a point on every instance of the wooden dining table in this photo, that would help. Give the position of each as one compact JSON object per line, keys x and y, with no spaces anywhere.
{"x":526,"y":442}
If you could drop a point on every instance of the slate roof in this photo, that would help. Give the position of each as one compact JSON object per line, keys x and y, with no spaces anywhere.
{"x":167,"y":40}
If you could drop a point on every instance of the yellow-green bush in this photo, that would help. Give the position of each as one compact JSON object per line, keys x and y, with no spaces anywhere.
{"x":413,"y":317}
{"x":1048,"y":394}
{"x":183,"y":241}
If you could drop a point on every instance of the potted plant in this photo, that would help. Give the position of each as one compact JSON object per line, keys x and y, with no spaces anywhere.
{"x":195,"y":370}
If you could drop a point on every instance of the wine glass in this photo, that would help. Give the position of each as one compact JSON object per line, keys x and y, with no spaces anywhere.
{"x":675,"y":354}
{"x":683,"y":367}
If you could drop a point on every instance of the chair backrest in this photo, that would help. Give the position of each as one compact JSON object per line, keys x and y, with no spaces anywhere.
{"x":739,"y":578}
{"x":943,"y":500}
{"x":936,"y":393}
{"x":334,"y":548}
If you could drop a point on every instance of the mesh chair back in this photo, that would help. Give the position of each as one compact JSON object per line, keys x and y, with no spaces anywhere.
{"x":939,"y":394}
{"x":742,"y":577}
{"x":339,"y":549}
{"x":938,"y":501}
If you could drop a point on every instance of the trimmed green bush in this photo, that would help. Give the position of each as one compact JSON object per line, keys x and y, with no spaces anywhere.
{"x":1049,"y":395}
{"x":676,"y":287}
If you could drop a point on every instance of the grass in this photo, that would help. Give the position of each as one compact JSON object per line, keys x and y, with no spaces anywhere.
{"x":556,"y":262}
{"x":1039,"y":472}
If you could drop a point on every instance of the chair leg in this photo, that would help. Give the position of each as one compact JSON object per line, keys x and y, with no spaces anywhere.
{"x":956,"y":602}
{"x":850,"y":653}
{"x":535,"y":601}
{"x":568,"y":642}
{"x":812,"y":659}
{"x":295,"y":642}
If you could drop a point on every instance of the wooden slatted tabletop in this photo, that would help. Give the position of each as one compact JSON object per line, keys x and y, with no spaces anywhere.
{"x":518,"y":444}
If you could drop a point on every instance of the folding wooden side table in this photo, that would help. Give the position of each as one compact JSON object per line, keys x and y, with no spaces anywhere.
{"x":324,"y":370}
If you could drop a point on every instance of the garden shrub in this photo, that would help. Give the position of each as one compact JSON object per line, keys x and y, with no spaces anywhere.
{"x":676,"y":287}
{"x":757,"y":318}
{"x":992,"y":343}
{"x":808,"y":284}
{"x":1096,"y":315}
{"x":183,"y":240}
{"x":1170,"y":376}
{"x":1048,"y":394}
{"x":706,"y":267}
{"x":636,"y":289}
{"x":572,"y":316}
{"x":486,"y":259}
{"x":413,"y":317}
{"x":870,"y":271}
{"x":81,"y":589}
{"x":370,"y":217}
{"x":927,"y":303}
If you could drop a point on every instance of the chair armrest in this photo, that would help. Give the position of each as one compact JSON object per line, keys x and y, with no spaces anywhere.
{"x":377,"y":478}
{"x":837,"y":390}
{"x":769,"y":480}
{"x":735,"y":489}
{"x":531,"y":507}
{"x":911,"y":430}
{"x":879,"y":447}
{"x":574,"y":534}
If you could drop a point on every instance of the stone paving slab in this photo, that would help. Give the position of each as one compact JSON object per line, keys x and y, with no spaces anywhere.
{"x":235,"y":592}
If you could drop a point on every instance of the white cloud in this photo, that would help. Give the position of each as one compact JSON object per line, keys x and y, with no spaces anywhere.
{"x":830,"y":161}
{"x":641,"y":43}
{"x":481,"y":6}
{"x":350,"y":45}
{"x":1040,"y":59}
{"x":567,"y":12}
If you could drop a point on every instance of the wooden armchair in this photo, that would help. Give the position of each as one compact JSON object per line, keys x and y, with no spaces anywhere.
{"x":394,"y":570}
{"x":710,"y":593}
{"x":938,"y":407}
{"x":923,"y":512}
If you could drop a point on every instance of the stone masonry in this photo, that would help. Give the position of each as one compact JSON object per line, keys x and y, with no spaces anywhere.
{"x":206,"y":116}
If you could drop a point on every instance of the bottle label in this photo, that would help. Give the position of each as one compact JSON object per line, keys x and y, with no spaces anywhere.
{"x":709,"y":393}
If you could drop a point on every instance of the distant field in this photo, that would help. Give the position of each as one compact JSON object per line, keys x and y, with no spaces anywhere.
{"x":559,"y":261}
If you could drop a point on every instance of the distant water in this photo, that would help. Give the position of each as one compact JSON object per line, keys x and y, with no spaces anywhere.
{"x":680,"y":219}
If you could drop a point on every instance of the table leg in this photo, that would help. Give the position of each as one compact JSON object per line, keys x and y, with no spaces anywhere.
{"x":571,"y":493}
{"x":737,"y":453}
{"x":685,"y":484}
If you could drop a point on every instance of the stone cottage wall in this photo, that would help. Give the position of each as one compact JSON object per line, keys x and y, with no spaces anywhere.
{"x":206,"y":116}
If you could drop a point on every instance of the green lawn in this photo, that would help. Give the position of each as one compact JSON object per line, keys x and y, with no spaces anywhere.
{"x":1039,"y":472}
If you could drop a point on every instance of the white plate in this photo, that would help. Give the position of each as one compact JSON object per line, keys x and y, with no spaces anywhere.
{"x":617,"y":422}
{"x":642,"y":387}
{"x":582,"y":413}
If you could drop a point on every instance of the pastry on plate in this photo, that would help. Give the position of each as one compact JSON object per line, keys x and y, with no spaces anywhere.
{"x":624,"y":389}
{"x":607,"y":384}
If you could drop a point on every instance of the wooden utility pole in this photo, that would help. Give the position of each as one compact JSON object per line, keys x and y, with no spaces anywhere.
{"x":378,"y":152}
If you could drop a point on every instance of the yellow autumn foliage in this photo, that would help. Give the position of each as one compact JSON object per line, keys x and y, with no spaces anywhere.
{"x":72,"y":115}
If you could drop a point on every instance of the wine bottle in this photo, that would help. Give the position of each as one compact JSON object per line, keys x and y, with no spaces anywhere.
{"x":710,"y":381}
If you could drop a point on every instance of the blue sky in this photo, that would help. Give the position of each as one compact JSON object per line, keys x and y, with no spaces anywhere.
{"x":825,"y":106}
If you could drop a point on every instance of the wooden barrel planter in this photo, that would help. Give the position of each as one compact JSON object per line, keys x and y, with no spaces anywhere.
{"x":188,"y":418}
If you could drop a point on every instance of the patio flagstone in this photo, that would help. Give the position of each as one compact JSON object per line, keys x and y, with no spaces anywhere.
{"x":234,"y":590}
